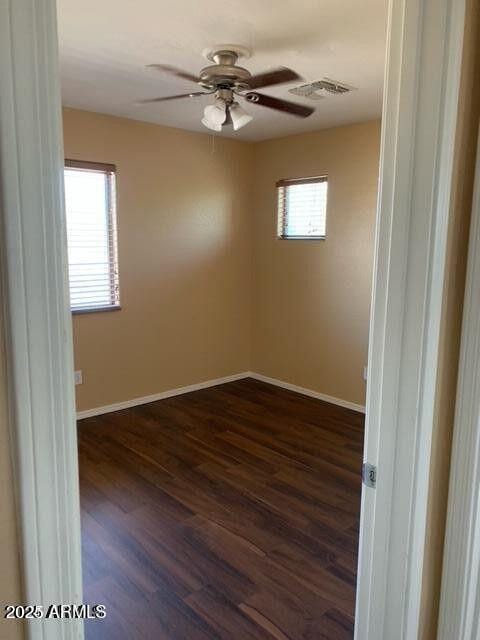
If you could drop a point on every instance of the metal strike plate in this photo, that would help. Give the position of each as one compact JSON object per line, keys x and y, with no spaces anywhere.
{"x":369,"y":475}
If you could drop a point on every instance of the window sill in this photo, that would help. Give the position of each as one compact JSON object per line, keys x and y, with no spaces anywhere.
{"x":77,"y":312}
{"x":301,"y":237}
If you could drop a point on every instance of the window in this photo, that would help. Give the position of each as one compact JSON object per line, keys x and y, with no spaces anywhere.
{"x":92,"y":236}
{"x":302,"y":208}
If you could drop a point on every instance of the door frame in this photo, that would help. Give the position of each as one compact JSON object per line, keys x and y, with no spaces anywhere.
{"x":39,"y":355}
{"x":418,"y":132}
{"x":419,"y":128}
{"x":460,"y":598}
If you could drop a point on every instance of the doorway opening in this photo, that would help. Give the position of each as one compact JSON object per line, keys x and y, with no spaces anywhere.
{"x":222,"y":397}
{"x":407,"y":322}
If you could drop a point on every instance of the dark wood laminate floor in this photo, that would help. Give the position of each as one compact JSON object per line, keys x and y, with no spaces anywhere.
{"x":230,"y":513}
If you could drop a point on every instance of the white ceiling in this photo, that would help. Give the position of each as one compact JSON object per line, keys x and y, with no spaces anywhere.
{"x":105,"y":45}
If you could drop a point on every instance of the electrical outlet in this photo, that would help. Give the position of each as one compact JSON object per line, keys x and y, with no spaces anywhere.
{"x":78,"y":377}
{"x":365,"y":372}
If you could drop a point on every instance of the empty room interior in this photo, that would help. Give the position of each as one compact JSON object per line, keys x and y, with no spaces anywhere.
{"x":221,"y":178}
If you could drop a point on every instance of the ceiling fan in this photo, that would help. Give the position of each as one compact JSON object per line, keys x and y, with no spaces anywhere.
{"x":227,"y":81}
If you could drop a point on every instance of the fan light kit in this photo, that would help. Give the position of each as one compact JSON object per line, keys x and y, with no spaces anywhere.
{"x":224,"y":112}
{"x":226,"y":82}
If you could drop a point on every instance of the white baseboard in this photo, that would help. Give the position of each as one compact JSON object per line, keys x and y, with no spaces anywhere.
{"x":127,"y":404}
{"x":346,"y":404}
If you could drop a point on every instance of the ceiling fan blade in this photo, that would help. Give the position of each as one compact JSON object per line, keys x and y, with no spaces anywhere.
{"x":173,"y":70}
{"x":181,"y":95}
{"x":269,"y":78}
{"x":280,"y":105}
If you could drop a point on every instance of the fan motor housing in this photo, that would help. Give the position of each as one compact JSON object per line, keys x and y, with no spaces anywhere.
{"x":224,"y":71}
{"x":217,"y":73}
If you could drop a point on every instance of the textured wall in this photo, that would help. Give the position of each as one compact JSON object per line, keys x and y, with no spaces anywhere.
{"x":183,"y":207}
{"x":207,"y":289}
{"x":311,"y":298}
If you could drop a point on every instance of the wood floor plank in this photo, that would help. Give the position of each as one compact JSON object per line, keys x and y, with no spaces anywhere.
{"x":230,"y":512}
{"x":180,"y":620}
{"x":206,"y":565}
{"x":316,"y":576}
{"x":335,"y":625}
{"x":276,"y":583}
{"x":228,"y":620}
{"x":287,"y":613}
{"x":119,"y":623}
{"x":285,"y":497}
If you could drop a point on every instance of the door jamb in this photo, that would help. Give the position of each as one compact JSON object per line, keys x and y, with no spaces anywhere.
{"x":419,"y":127}
{"x":460,"y":598}
{"x":36,"y":306}
{"x":424,"y":61}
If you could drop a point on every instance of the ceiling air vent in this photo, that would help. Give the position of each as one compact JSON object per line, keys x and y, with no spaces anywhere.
{"x":320,"y":89}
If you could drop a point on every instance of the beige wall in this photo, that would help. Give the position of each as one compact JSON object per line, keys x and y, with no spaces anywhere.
{"x":203,"y":278}
{"x":185,"y":259}
{"x":311,"y":299}
{"x":10,"y":592}
{"x":465,"y":154}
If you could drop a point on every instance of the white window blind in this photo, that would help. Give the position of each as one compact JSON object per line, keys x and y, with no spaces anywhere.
{"x":302,"y":208}
{"x":91,"y":235}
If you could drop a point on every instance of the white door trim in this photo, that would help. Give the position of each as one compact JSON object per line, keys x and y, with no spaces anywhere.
{"x":424,"y":53}
{"x":40,"y":362}
{"x":460,"y":599}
